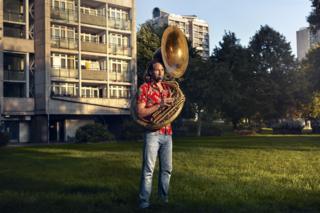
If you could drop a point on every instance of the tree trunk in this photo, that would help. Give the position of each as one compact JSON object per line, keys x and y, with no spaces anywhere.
{"x":199,"y":126}
{"x":235,"y":124}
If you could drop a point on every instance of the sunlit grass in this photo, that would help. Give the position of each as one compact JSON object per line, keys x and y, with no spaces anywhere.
{"x":221,"y":174}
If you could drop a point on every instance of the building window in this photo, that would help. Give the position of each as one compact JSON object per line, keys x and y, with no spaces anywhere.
{"x":90,"y":92}
{"x":93,"y":64}
{"x":92,"y":11}
{"x":119,"y":91}
{"x":63,"y":37}
{"x":119,"y":14}
{"x":119,"y":70}
{"x":63,"y":4}
{"x":86,"y":37}
{"x":64,"y":89}
{"x":119,"y":66}
{"x":58,"y":31}
{"x":119,"y":40}
{"x":17,"y":90}
{"x":63,"y":61}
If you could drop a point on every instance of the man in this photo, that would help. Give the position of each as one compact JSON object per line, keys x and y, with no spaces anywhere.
{"x":153,"y":94}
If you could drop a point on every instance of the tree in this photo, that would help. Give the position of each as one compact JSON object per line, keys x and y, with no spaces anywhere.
{"x":274,"y":69}
{"x":148,"y":41}
{"x":196,"y":86}
{"x":314,"y":17}
{"x":310,"y":67}
{"x":231,"y":79}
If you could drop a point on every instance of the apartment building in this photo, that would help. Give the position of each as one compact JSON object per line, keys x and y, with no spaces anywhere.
{"x":305,"y":41}
{"x":62,"y":63}
{"x":195,"y":29}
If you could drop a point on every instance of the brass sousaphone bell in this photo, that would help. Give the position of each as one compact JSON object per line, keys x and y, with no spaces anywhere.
{"x":174,"y":53}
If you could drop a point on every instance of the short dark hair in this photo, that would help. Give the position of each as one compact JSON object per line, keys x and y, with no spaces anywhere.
{"x":148,"y":76}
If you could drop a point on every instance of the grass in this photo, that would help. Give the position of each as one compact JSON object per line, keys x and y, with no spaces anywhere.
{"x":211,"y":174}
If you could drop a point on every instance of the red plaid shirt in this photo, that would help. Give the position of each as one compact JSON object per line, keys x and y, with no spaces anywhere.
{"x":150,"y":94}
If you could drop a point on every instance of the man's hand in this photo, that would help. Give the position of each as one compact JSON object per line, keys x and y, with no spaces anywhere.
{"x":166,"y":102}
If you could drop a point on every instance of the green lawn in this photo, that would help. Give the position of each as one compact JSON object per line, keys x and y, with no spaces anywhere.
{"x":211,"y":174}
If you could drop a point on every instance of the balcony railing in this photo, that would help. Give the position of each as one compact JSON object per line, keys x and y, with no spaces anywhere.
{"x":94,"y":47}
{"x":93,"y":20}
{"x":14,"y":75}
{"x":119,"y":24}
{"x":13,"y":16}
{"x":120,"y":77}
{"x":98,"y":75}
{"x":64,"y":14}
{"x":119,"y":50}
{"x":58,"y":72}
{"x":14,"y":30}
{"x":65,"y":43}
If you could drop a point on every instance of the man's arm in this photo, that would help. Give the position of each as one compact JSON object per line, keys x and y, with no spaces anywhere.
{"x":142,"y":111}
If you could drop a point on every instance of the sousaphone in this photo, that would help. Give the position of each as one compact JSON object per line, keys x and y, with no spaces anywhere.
{"x":174,"y":53}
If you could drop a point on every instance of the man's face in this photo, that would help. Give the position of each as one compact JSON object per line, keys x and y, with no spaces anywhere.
{"x":158,"y":72}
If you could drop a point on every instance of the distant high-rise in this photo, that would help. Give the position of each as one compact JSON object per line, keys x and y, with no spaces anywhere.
{"x":196,"y":30}
{"x":305,"y":41}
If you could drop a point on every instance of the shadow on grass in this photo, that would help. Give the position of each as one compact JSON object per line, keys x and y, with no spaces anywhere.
{"x":237,"y":195}
{"x":294,"y":143}
{"x":105,"y":178}
{"x":38,"y":181}
{"x":301,"y":143}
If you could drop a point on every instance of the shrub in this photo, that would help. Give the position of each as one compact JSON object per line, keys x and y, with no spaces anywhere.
{"x":130,"y":130}
{"x":189,"y":128}
{"x":209,"y":129}
{"x":315,"y":125}
{"x":245,"y":132}
{"x":93,"y":133}
{"x":4,"y":139}
{"x":288,"y":127}
{"x":246,"y":129}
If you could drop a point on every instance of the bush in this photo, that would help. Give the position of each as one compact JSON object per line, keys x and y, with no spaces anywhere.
{"x":93,"y":133}
{"x":245,"y":132}
{"x":288,"y":127}
{"x":315,"y":125}
{"x":245,"y":129}
{"x":130,"y":130}
{"x":4,"y":139}
{"x":189,"y":128}
{"x":209,"y":129}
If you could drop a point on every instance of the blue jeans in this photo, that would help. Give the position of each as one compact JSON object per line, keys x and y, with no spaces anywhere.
{"x":155,"y":145}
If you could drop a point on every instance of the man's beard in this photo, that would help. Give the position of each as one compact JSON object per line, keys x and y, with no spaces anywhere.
{"x":158,"y":79}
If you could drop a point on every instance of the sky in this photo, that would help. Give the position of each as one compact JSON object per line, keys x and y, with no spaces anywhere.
{"x":243,"y":17}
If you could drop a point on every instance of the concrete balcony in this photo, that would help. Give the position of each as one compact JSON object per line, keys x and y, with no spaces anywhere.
{"x":119,"y":24}
{"x":64,"y":14}
{"x":119,"y":50}
{"x":64,"y":73}
{"x":14,"y":75}
{"x":12,"y":16}
{"x":89,"y":106}
{"x":18,"y":44}
{"x":94,"y":47}
{"x":18,"y":106}
{"x":64,"y":43}
{"x":124,"y":3}
{"x":93,"y":20}
{"x":120,"y":77}
{"x":98,"y":75}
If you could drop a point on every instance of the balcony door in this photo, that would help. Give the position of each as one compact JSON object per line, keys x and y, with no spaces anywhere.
{"x":64,"y":4}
